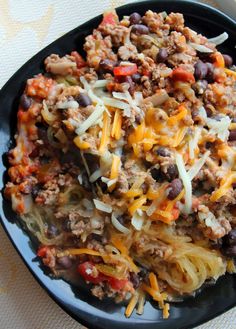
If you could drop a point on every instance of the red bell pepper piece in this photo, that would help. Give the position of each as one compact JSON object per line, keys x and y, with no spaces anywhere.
{"x":80,"y":62}
{"x":110,"y":18}
{"x":180,"y":74}
{"x":86,"y":269}
{"x":42,"y":251}
{"x":117,"y":284}
{"x":125,"y":70}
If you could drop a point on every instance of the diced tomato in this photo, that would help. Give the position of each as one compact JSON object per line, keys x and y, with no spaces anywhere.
{"x":86,"y":271}
{"x":117,"y":284}
{"x":146,"y":73}
{"x":109,"y":18}
{"x":39,"y":86}
{"x":80,"y":62}
{"x":42,"y":251}
{"x":125,"y":70}
{"x":180,"y":74}
{"x":175,"y":213}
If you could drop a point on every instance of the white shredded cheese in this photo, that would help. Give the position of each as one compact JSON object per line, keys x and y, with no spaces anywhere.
{"x":194,"y":170}
{"x":95,"y":176}
{"x":137,"y":221}
{"x":118,"y":225}
{"x":219,"y":39}
{"x":193,"y":143}
{"x":91,"y":120}
{"x":80,"y":179}
{"x":219,"y":128}
{"x":186,"y":182}
{"x":102,"y":206}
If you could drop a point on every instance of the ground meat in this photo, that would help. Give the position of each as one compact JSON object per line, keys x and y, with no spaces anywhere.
{"x":117,"y":33}
{"x":60,"y":65}
{"x":176,"y":43}
{"x":211,"y":226}
{"x":179,"y":58}
{"x":98,"y":291}
{"x":49,"y":194}
{"x":122,"y":184}
{"x":98,"y":48}
{"x":155,"y":22}
{"x":126,"y":52}
{"x":176,"y":21}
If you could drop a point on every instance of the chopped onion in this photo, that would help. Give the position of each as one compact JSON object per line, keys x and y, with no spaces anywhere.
{"x":201,"y":48}
{"x":100,"y":83}
{"x":87,"y":204}
{"x":219,"y":39}
{"x":137,"y":221}
{"x":67,"y":104}
{"x":85,"y":83}
{"x":91,"y":120}
{"x":118,"y":225}
{"x":186,"y":182}
{"x":97,"y":174}
{"x":111,"y":182}
{"x":194,"y":170}
{"x":158,"y":98}
{"x":102,"y":206}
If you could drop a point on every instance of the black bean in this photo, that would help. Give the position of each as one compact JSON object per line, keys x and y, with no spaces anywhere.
{"x":176,"y":187}
{"x":25,"y":102}
{"x":229,"y":251}
{"x":86,"y":183}
{"x":134,"y":278}
{"x":230,"y":238}
{"x":135,"y":18}
{"x":136,"y":77}
{"x":143,"y":274}
{"x":208,"y":145}
{"x":163,"y":151}
{"x":217,"y":244}
{"x":83,"y":100}
{"x":200,"y":70}
{"x":156,"y":174}
{"x":140,"y":29}
{"x":42,"y":132}
{"x":232,"y":135}
{"x":228,"y":60}
{"x":172,"y":172}
{"x":35,"y":191}
{"x":52,"y":231}
{"x":66,"y":225}
{"x":162,"y":55}
{"x":92,"y":161}
{"x":107,"y":65}
{"x":210,"y":72}
{"x":65,"y":262}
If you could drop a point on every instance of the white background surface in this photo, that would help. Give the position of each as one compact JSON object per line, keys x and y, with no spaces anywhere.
{"x":26,"y":26}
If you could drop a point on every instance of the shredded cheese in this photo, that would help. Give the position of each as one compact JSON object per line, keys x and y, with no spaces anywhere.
{"x":186,"y":182}
{"x":225,"y":185}
{"x":91,"y":120}
{"x":102,"y":206}
{"x":118,"y":225}
{"x":137,"y":204}
{"x":82,"y":145}
{"x":131,"y":306}
{"x":194,"y":170}
{"x":183,"y":111}
{"x":105,"y":133}
{"x":116,"y":127}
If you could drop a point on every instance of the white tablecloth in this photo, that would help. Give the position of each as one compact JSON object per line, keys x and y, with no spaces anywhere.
{"x":26,"y":26}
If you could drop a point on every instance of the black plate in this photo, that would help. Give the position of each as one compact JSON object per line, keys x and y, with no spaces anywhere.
{"x":80,"y":304}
